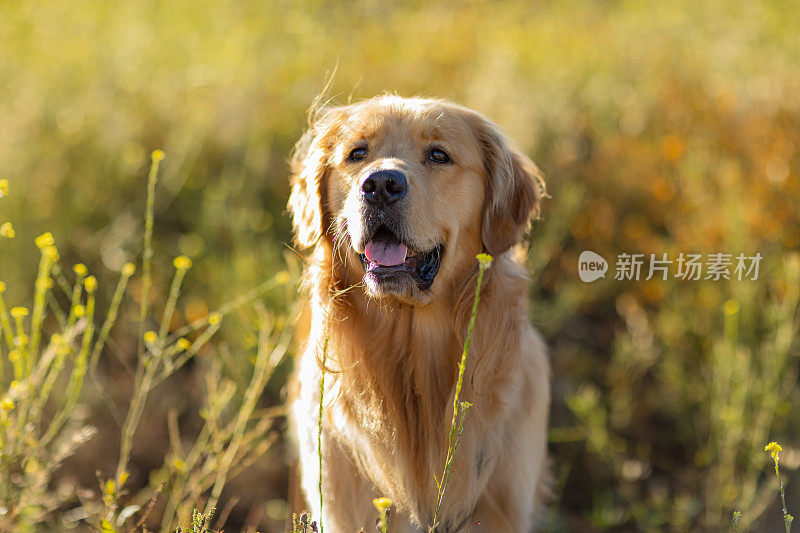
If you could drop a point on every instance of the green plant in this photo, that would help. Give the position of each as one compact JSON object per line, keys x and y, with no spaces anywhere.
{"x":33,"y":441}
{"x":319,"y":426}
{"x":459,"y":407}
{"x":33,"y":445}
{"x":383,"y":505}
{"x":201,"y":523}
{"x":303,"y":524}
{"x":774,"y":450}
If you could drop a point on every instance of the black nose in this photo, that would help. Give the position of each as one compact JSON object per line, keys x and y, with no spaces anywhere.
{"x":384,"y":187}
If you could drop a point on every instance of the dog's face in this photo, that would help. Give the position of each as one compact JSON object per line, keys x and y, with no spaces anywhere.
{"x":408,"y":191}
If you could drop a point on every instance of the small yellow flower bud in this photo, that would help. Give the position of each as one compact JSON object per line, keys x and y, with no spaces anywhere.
{"x":51,"y":253}
{"x":774,"y":449}
{"x":128,"y":269}
{"x":109,"y":488}
{"x":19,"y":312}
{"x":3,"y":188}
{"x":484,"y":261}
{"x":80,"y":270}
{"x":79,"y":311}
{"x":7,"y":230}
{"x":214,"y":318}
{"x":183,"y":344}
{"x":182,"y":262}
{"x":90,"y":283}
{"x":44,"y":240}
{"x":2,"y":287}
{"x":178,"y":464}
{"x":282,"y":277}
{"x":157,"y":155}
{"x":150,"y":337}
{"x":44,"y":284}
{"x":14,"y":356}
{"x":731,"y":307}
{"x":381,"y":504}
{"x":7,"y":403}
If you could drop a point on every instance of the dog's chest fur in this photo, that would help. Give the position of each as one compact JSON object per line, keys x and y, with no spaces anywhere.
{"x":390,"y":401}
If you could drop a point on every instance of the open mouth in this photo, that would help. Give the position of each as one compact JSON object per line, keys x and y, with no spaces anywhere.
{"x":386,"y":258}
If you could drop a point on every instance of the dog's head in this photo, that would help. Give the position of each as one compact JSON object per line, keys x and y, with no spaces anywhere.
{"x":407,"y":191}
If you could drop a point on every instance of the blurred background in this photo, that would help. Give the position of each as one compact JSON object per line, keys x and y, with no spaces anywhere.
{"x":661,"y":128}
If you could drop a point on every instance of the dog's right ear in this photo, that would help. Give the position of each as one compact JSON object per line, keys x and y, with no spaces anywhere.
{"x":309,"y":168}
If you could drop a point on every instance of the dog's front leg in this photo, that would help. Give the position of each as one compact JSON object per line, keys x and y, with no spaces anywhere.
{"x":346,"y":496}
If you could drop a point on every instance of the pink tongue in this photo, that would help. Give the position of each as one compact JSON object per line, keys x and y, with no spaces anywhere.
{"x":386,"y":253}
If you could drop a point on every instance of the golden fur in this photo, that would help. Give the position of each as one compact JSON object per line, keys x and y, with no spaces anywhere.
{"x":393,"y":349}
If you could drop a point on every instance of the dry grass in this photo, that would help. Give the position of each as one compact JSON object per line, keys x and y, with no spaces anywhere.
{"x":669,"y":128}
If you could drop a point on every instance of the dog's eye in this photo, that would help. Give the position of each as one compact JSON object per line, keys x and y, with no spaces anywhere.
{"x":357,"y":154}
{"x":437,"y":155}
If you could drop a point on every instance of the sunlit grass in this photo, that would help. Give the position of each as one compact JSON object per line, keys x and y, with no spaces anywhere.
{"x":33,"y":445}
{"x":663,"y":128}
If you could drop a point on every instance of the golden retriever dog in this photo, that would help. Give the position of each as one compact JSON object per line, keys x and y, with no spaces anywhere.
{"x":396,"y":196}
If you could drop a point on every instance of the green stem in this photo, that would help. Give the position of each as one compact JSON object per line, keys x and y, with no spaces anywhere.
{"x":111,"y":317}
{"x":319,"y":426}
{"x":456,"y":422}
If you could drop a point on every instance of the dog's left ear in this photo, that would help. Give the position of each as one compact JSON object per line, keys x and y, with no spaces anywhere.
{"x":514,"y":189}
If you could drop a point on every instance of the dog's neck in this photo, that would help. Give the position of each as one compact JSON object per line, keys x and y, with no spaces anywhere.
{"x":391,"y":358}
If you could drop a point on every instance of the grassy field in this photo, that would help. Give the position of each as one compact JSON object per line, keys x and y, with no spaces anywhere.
{"x":669,"y":128}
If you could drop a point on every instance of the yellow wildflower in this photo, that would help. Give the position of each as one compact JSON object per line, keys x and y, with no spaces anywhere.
{"x":214,"y":318}
{"x":178,"y":464}
{"x":381,"y":504}
{"x":50,"y":252}
{"x":731,"y":307}
{"x":182,"y":262}
{"x":7,"y":230}
{"x":80,"y":270}
{"x":150,"y":337}
{"x":14,"y":355}
{"x":157,"y":155}
{"x":3,"y":188}
{"x":90,"y":283}
{"x":2,"y":287}
{"x":7,"y":403}
{"x":19,"y":312}
{"x":128,"y":269}
{"x":484,"y":261}
{"x":774,"y":449}
{"x":109,"y":489}
{"x":183,"y":344}
{"x":44,"y":240}
{"x":79,"y":311}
